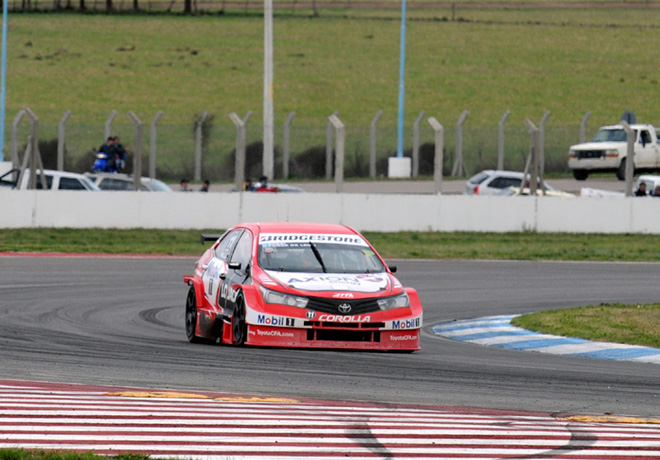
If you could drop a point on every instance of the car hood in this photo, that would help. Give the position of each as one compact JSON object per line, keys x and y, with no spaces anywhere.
{"x":596,"y":145}
{"x":343,"y":282}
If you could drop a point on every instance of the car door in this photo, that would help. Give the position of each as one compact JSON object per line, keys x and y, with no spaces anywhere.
{"x":239,"y":272}
{"x":646,"y":151}
{"x":216,"y":269}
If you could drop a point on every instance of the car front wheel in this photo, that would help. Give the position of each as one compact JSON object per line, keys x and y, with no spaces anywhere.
{"x":580,"y":174}
{"x":239,"y":328}
{"x":191,"y":316}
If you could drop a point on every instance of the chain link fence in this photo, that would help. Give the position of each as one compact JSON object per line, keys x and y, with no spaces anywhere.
{"x":175,"y":148}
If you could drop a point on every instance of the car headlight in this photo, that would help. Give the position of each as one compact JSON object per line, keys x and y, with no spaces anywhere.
{"x":611,"y":153}
{"x":398,"y":301}
{"x":279,"y":298}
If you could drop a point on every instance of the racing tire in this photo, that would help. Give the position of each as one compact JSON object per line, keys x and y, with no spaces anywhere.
{"x":580,"y":174}
{"x":238,"y":325}
{"x":621,"y":172}
{"x":191,"y":316}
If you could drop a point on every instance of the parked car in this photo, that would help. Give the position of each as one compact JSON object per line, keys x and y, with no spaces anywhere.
{"x":539,"y":192}
{"x":118,"y":181}
{"x":496,"y":182}
{"x":608,"y":151}
{"x":652,"y":182}
{"x":55,"y":180}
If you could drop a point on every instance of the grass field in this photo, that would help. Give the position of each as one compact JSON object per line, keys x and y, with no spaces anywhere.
{"x":409,"y":245}
{"x":487,"y":61}
{"x":630,"y":324}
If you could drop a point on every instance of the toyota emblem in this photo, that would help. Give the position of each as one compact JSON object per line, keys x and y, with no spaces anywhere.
{"x":344,"y":308}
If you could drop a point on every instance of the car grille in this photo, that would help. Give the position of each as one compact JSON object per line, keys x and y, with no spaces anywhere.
{"x":586,"y":154}
{"x":342,"y":336}
{"x":358,"y":307}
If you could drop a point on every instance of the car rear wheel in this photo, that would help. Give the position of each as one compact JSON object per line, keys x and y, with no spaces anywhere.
{"x":238,"y":325}
{"x":191,"y":316}
{"x":580,"y":174}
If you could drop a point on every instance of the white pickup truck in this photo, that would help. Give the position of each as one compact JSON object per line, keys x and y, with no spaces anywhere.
{"x":608,"y":151}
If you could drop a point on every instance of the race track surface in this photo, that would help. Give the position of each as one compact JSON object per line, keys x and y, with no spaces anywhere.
{"x":115,"y":321}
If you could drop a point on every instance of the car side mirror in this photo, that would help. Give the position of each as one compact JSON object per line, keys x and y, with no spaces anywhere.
{"x":234,"y":265}
{"x":392,"y":268}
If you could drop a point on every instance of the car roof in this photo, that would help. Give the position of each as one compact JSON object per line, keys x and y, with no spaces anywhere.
{"x":501,"y":172}
{"x":633,"y":126}
{"x":56,"y":173}
{"x":299,"y":227}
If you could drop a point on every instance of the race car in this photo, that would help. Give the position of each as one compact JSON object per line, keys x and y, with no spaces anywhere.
{"x":299,"y":285}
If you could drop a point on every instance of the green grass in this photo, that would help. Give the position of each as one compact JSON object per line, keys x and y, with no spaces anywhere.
{"x":487,"y":61}
{"x":422,"y":245}
{"x":629,"y":324}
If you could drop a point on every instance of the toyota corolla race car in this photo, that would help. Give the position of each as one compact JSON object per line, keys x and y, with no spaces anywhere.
{"x":299,"y":285}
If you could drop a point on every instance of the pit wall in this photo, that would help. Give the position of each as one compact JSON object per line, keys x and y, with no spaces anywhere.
{"x":365,"y":212}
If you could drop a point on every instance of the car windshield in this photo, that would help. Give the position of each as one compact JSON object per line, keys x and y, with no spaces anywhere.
{"x":158,"y":186}
{"x":317,"y":254}
{"x":479,"y":178}
{"x":610,"y":135}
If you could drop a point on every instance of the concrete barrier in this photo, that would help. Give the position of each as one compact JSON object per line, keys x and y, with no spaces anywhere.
{"x":365,"y":212}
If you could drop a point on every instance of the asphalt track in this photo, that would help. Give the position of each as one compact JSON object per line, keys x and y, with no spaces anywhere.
{"x":119,"y":321}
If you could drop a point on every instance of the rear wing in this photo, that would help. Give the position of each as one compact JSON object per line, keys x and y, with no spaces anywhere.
{"x":204,"y":237}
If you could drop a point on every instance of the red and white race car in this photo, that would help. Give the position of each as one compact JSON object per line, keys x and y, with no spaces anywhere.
{"x":299,"y":285}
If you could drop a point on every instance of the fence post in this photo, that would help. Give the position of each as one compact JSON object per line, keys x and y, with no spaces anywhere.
{"x":287,"y":139}
{"x":108,"y":125}
{"x":35,"y":155}
{"x":541,"y":147}
{"x":630,"y":158}
{"x":373,"y":139}
{"x":239,"y":164}
{"x":198,"y":146}
{"x":459,"y":166}
{"x":14,"y":137}
{"x":534,"y":154}
{"x":60,"y":140}
{"x":583,"y":127}
{"x":340,"y":131}
{"x":500,"y":140}
{"x":328,"y":147}
{"x":152,"y":144}
{"x":137,"y":152}
{"x":415,"y":151}
{"x":439,"y":155}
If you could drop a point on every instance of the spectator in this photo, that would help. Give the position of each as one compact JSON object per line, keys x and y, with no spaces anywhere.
{"x":205,"y":186}
{"x":107,"y":149}
{"x":249,"y":186}
{"x":184,"y":185}
{"x":641,"y":191}
{"x":263,"y":185}
{"x":119,"y":153}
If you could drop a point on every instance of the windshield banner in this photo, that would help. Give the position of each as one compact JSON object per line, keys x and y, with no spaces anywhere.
{"x":283,"y":239}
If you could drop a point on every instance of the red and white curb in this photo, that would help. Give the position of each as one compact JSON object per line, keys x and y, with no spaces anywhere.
{"x":165,"y":424}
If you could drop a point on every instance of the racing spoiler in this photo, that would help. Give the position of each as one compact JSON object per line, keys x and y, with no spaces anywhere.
{"x":204,"y":237}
